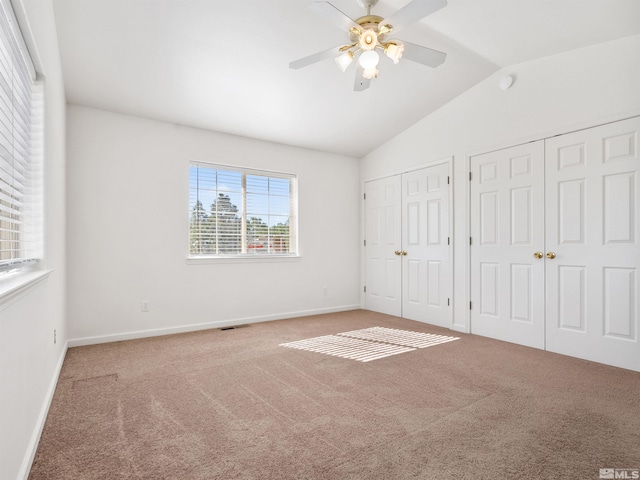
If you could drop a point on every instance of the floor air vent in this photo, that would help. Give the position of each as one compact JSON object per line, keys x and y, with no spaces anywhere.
{"x":233,"y":327}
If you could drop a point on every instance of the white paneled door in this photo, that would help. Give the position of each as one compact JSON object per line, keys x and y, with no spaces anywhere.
{"x":593,"y":213}
{"x":555,"y":258}
{"x":383,"y":269}
{"x":507,"y":243}
{"x":425,"y":245}
{"x":407,"y":265}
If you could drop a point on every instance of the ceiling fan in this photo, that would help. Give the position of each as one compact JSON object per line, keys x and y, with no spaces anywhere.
{"x":369,"y":33}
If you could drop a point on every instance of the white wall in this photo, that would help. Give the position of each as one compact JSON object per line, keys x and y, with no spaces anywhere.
{"x":128,"y":230}
{"x":553,"y":95}
{"x":29,"y":361}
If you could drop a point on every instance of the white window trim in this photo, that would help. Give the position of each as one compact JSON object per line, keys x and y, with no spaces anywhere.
{"x":21,"y":276}
{"x":244,"y":257}
{"x":14,"y":285}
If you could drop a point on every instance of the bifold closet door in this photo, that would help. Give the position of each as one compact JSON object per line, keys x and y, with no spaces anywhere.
{"x":555,"y":251}
{"x":592,"y":218}
{"x":383,"y":274}
{"x":507,"y":244}
{"x":407,"y":259}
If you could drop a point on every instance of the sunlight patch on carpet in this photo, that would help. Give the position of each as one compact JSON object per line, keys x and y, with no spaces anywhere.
{"x":369,"y":344}
{"x":345,"y":347}
{"x":399,"y":337}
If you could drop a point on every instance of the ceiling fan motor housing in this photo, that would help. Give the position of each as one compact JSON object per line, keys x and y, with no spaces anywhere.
{"x":368,"y":22}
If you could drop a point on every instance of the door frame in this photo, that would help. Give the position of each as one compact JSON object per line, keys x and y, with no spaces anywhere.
{"x":449,"y":162}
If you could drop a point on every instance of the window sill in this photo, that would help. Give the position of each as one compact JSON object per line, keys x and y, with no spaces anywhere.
{"x":242,"y":259}
{"x":15,"y":284}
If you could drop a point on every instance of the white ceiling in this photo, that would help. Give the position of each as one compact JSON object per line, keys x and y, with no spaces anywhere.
{"x":223,"y":64}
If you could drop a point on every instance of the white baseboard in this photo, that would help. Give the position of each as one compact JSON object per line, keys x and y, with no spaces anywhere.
{"x":79,"y":342}
{"x":460,"y":328}
{"x":42,"y":418}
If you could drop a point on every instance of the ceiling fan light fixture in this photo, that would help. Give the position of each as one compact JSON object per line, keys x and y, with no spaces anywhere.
{"x":383,"y":29}
{"x":394,"y":51}
{"x":344,"y":60}
{"x":369,"y":60}
{"x":368,"y":33}
{"x":368,"y":39}
{"x":370,"y":73}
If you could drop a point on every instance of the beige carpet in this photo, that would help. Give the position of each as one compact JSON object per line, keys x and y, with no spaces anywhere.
{"x":236,"y":405}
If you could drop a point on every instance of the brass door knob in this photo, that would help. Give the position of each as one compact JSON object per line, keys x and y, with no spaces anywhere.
{"x":551,"y":255}
{"x":403,"y":252}
{"x":538,"y":254}
{"x":398,"y":252}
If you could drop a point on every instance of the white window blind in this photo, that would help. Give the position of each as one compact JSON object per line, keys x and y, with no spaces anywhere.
{"x":238,"y":212}
{"x":20,"y":146}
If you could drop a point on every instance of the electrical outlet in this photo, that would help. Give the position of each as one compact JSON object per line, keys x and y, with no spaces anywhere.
{"x":54,"y":336}
{"x":144,"y":306}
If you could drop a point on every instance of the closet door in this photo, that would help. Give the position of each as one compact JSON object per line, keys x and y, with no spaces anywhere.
{"x":383,"y":264}
{"x":507,"y":244}
{"x":425,"y":249}
{"x":593,"y":213}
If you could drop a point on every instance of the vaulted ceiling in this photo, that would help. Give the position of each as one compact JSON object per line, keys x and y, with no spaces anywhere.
{"x":224,"y":64}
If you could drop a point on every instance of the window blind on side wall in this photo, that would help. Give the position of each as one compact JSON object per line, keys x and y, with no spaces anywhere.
{"x":20,"y":128}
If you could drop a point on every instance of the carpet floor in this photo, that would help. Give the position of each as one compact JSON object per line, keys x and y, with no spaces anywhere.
{"x":235,"y":404}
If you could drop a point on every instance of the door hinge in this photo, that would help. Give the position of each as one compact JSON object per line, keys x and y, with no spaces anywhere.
{"x":469,"y":176}
{"x":470,"y":242}
{"x":365,"y":196}
{"x":365,"y":243}
{"x":448,"y":302}
{"x":469,"y":305}
{"x":447,"y":180}
{"x":448,"y":240}
{"x":365,"y":289}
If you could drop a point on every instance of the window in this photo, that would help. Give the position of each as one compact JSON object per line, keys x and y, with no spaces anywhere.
{"x":240,"y":212}
{"x":20,"y":155}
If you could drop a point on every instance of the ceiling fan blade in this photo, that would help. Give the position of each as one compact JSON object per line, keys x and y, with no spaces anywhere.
{"x":316,"y":57}
{"x":423,"y":55}
{"x":361,"y":82}
{"x":334,"y":15}
{"x":412,"y":12}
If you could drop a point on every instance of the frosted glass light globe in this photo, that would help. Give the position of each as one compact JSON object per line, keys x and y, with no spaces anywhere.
{"x":369,"y":59}
{"x":344,"y":60}
{"x":394,"y":51}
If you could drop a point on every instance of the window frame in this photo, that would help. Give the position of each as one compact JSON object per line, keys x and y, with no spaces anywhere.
{"x":24,"y":265}
{"x":245,"y":256}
